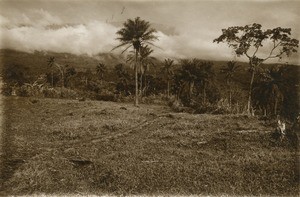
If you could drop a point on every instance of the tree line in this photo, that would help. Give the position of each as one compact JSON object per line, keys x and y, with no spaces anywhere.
{"x":192,"y":82}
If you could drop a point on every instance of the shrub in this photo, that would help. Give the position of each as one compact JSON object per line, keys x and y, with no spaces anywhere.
{"x":68,"y":93}
{"x":106,"y":97}
{"x":22,"y":91}
{"x":6,"y":90}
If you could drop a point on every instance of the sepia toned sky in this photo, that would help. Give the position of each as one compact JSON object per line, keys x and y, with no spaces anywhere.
{"x":186,"y":28}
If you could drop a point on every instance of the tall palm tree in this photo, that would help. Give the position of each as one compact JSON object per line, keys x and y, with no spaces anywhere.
{"x":229,"y":71}
{"x":189,"y":74}
{"x":168,"y":71}
{"x":100,"y":70}
{"x":206,"y":75}
{"x":51,"y":62}
{"x":136,"y":33}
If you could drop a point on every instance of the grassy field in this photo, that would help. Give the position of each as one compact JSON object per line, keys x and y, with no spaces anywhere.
{"x":54,"y":146}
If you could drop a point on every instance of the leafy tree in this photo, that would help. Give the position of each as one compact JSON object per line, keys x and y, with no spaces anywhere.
{"x":100,"y":70}
{"x":136,"y":33}
{"x":168,"y":71}
{"x":15,"y":74}
{"x":250,"y":40}
{"x":229,"y":70}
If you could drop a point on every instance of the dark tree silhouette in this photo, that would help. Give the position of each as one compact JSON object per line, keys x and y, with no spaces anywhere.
{"x":205,"y":76}
{"x":51,"y":62}
{"x":100,"y":70}
{"x":229,"y":70}
{"x":167,"y":70}
{"x":124,"y":77}
{"x":186,"y":77}
{"x":269,"y":91}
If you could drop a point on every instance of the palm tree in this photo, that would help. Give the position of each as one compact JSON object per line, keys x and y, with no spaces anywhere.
{"x":206,"y":74}
{"x":168,"y":71}
{"x":189,"y":75}
{"x":51,"y":62}
{"x":269,"y":91}
{"x":135,"y":33}
{"x":229,"y":71}
{"x":100,"y":70}
{"x":145,"y":62}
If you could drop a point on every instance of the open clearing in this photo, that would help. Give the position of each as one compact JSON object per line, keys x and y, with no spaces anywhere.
{"x":54,"y":146}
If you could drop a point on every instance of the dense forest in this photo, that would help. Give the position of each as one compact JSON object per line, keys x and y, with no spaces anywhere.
{"x":201,"y":85}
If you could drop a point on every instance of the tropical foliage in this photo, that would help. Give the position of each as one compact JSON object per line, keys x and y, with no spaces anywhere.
{"x":198,"y":85}
{"x":249,"y":40}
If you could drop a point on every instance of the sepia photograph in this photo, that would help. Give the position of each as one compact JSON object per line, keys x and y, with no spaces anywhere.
{"x":149,"y":98}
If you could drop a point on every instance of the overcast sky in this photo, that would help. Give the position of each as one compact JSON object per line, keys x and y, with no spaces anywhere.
{"x":185,"y":28}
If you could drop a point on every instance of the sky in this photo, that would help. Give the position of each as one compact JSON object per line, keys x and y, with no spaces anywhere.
{"x":185,"y":28}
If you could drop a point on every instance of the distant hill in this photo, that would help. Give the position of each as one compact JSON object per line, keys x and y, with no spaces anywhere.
{"x":37,"y":61}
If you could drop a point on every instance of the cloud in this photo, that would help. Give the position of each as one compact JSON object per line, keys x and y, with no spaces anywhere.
{"x":40,"y":29}
{"x":90,"y":38}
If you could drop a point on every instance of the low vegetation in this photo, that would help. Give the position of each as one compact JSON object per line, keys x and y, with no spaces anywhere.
{"x":59,"y":146}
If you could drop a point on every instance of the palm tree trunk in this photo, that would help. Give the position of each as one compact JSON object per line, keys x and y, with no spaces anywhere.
{"x":52,"y":81}
{"x":230,"y":103}
{"x":191,"y":86}
{"x":168,"y":89}
{"x":62,"y":80}
{"x":250,"y":92}
{"x":265,"y":111}
{"x":275,"y":106}
{"x":204,"y":94}
{"x":145,"y":83}
{"x":141,"y":84}
{"x":136,"y":79}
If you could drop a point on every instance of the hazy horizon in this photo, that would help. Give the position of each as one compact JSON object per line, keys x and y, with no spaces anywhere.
{"x":186,"y":29}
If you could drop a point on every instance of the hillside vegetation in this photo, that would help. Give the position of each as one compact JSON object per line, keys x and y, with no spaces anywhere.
{"x":206,"y":86}
{"x":56,"y":146}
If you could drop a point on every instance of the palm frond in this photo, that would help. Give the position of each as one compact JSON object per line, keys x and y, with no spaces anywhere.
{"x":120,"y":45}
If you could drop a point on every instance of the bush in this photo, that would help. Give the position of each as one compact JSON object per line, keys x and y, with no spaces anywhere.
{"x":22,"y":91}
{"x":106,"y":97}
{"x":6,"y":90}
{"x":160,"y":99}
{"x":51,"y":93}
{"x":210,"y":109}
{"x":175,"y":105}
{"x":68,"y":93}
